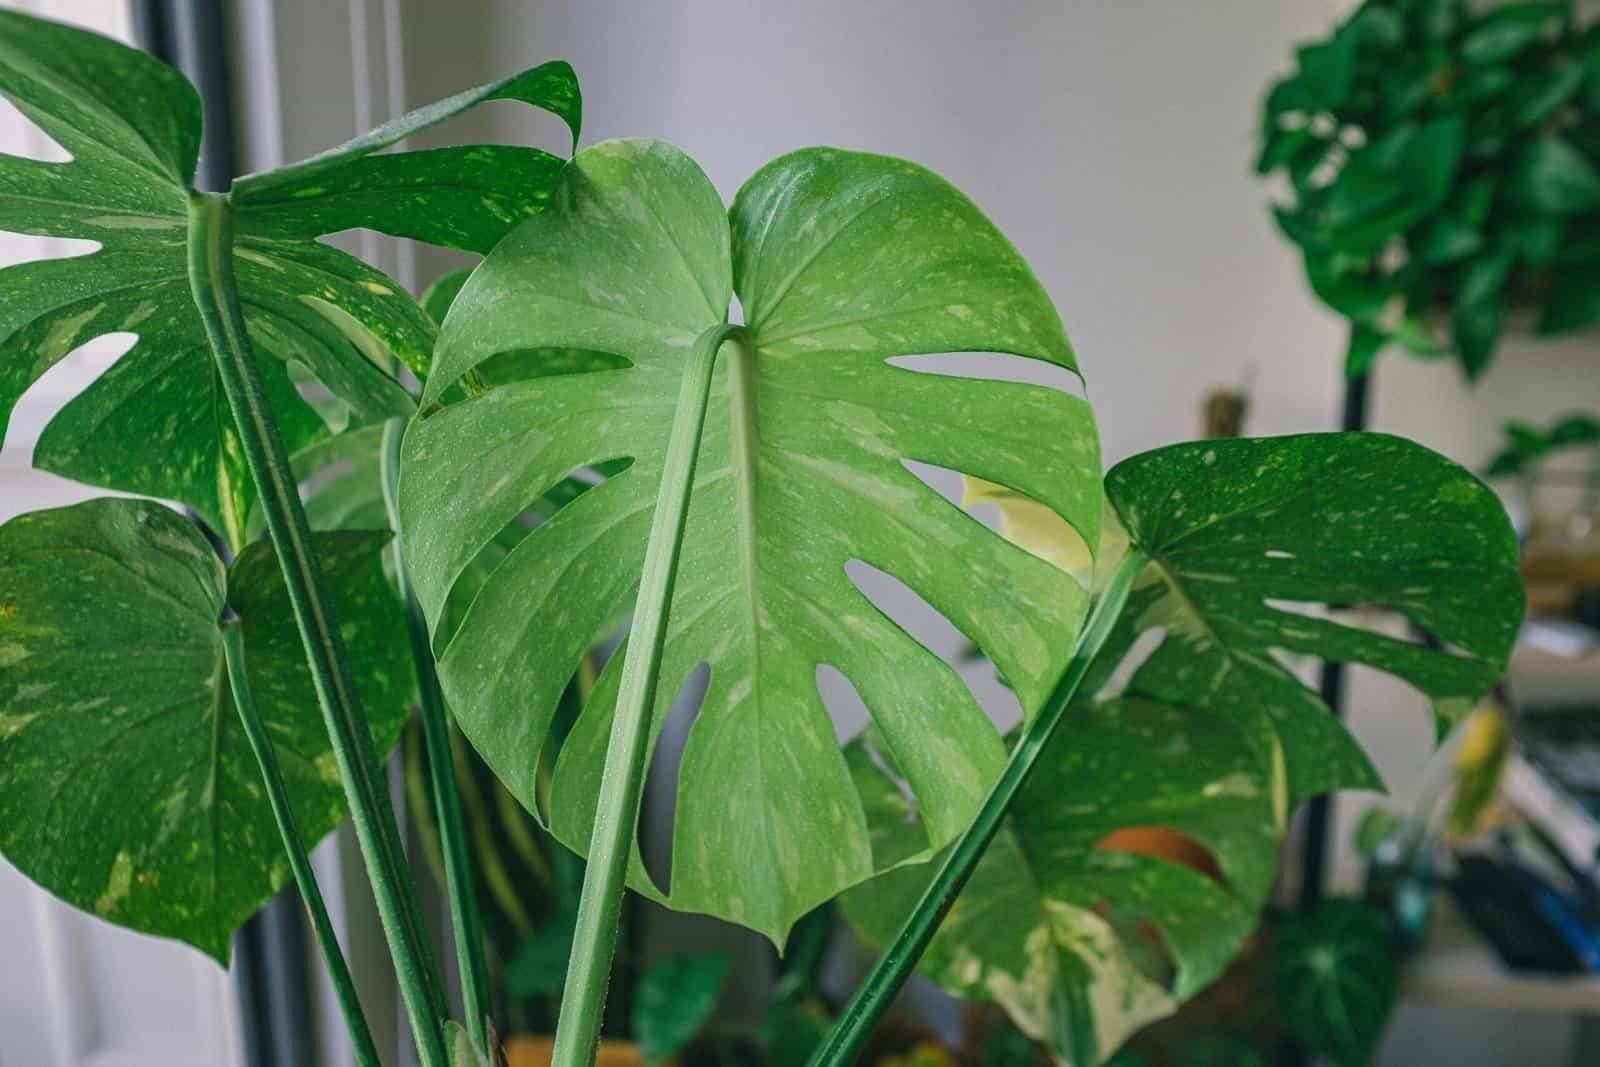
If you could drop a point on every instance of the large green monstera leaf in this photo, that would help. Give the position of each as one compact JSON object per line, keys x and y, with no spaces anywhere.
{"x":1080,"y":942}
{"x":1248,"y":539}
{"x":156,"y":422}
{"x":840,"y":262}
{"x":127,"y":787}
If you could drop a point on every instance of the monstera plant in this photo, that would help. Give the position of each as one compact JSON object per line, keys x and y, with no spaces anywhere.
{"x":646,"y":405}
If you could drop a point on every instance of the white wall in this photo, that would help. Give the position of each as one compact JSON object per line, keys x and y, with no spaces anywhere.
{"x":1110,"y":140}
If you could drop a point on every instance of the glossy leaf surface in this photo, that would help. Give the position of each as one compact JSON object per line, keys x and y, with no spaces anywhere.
{"x":156,"y":422}
{"x":127,"y":785}
{"x":1248,"y":539}
{"x":1056,"y":924}
{"x":840,"y":262}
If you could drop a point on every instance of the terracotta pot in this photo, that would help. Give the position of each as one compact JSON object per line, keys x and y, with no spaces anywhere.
{"x":536,"y":1052}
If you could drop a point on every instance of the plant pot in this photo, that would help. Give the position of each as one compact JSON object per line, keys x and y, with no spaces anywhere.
{"x":536,"y":1052}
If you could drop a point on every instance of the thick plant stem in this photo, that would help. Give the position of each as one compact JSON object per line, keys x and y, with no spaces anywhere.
{"x":216,"y":297}
{"x":617,"y":811}
{"x":459,"y":884}
{"x":878,"y":989}
{"x":344,"y":987}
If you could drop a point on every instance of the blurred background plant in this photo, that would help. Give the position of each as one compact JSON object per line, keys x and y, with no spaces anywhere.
{"x":1440,"y":163}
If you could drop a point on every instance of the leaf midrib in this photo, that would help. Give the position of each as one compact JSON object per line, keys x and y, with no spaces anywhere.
{"x":211,"y":797}
{"x":744,"y":446}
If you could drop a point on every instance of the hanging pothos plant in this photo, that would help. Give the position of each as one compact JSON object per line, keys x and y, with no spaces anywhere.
{"x":1442,"y":161}
{"x":596,"y":434}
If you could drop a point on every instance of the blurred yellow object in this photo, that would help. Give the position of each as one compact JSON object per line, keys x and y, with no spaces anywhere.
{"x":1033,"y":527}
{"x":924,"y":1054}
{"x":1480,"y":762}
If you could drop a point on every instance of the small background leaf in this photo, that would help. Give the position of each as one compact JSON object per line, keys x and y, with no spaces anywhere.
{"x":1336,"y":978}
{"x":673,"y":1000}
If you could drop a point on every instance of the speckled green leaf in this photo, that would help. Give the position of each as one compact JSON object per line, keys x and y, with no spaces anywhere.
{"x":840,"y":262}
{"x":463,"y":197}
{"x":1248,"y":538}
{"x":1057,"y":930}
{"x":1335,"y":979}
{"x":127,"y":787}
{"x":156,"y":423}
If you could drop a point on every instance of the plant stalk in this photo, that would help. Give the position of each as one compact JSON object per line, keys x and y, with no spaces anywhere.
{"x":875,"y":993}
{"x":617,"y":812}
{"x":216,"y":298}
{"x":459,"y":884}
{"x":344,"y":987}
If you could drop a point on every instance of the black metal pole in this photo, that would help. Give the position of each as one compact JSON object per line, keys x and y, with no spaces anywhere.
{"x":1319,"y":812}
{"x":269,"y":952}
{"x":190,"y":35}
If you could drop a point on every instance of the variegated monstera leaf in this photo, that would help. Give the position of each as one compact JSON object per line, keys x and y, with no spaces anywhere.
{"x":156,"y":423}
{"x":841,"y":262}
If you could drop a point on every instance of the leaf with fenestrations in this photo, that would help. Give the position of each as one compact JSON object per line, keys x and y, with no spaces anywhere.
{"x":156,"y":422}
{"x":1249,"y":539}
{"x":514,"y":364}
{"x":127,"y":787}
{"x":1248,"y":536}
{"x":841,"y":261}
{"x":1064,"y":920}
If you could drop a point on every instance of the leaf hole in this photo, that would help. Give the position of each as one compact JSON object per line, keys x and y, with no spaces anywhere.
{"x":585,"y":678}
{"x":17,"y":248}
{"x":492,"y":122}
{"x":845,"y":706}
{"x":1278,"y":553}
{"x":996,"y":367}
{"x":660,"y":805}
{"x":1143,"y":647}
{"x":54,"y":389}
{"x":527,"y":364}
{"x":25,"y":139}
{"x":513,"y":366}
{"x":930,"y":628}
{"x":1164,"y":844}
{"x":1381,"y":620}
{"x":889,"y":814}
{"x":1018,"y":517}
{"x":541,"y":509}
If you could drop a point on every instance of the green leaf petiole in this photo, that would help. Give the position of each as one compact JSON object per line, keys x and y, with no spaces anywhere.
{"x":294,"y":846}
{"x":459,"y":882}
{"x":877,"y":991}
{"x":211,"y":280}
{"x":617,"y":814}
